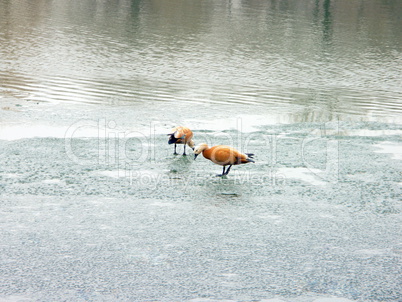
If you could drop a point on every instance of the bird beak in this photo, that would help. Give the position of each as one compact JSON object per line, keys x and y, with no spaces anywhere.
{"x":195,"y":156}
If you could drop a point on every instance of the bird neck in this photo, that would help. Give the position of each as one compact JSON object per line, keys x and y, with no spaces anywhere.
{"x":207,"y":153}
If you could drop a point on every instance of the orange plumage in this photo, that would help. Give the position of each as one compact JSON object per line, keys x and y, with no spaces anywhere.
{"x":223,"y":155}
{"x":181,"y":135}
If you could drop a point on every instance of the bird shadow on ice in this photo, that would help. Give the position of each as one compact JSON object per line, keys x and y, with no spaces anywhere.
{"x":179,"y":166}
{"x":218,"y":189}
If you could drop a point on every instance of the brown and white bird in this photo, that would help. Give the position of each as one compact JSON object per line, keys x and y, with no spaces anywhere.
{"x":224,"y":156}
{"x":181,"y":135}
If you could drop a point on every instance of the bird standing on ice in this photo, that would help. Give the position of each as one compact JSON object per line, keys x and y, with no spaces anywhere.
{"x":224,"y":156}
{"x":181,"y":135}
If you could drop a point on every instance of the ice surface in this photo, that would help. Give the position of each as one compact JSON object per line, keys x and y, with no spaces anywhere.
{"x":393,"y":148}
{"x":104,"y":225}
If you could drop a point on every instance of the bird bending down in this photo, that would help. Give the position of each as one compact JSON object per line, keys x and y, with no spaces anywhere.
{"x":181,"y":135}
{"x":224,"y":156}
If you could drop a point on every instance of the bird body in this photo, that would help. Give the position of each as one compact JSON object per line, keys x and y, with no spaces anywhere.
{"x":223,"y":155}
{"x":181,"y":135}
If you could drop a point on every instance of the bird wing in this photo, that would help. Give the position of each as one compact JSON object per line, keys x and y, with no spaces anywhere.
{"x":227,"y":156}
{"x":224,"y":156}
{"x":237,"y":157}
{"x":178,"y":133}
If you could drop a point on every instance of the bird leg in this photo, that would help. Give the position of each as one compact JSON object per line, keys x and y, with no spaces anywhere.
{"x":223,"y":172}
{"x":227,"y":171}
{"x":175,"y":153}
{"x":184,"y":152}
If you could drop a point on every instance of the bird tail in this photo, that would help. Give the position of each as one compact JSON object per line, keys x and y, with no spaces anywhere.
{"x":172,"y":139}
{"x":250,"y":157}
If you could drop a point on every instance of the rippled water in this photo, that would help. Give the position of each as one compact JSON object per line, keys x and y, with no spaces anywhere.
{"x":283,"y":56}
{"x":95,"y":207}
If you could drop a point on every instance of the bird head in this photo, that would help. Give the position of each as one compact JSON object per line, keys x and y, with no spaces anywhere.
{"x":199,"y":149}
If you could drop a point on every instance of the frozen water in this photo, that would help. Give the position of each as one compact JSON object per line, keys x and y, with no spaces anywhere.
{"x":393,"y":148}
{"x":104,"y":225}
{"x":95,"y":207}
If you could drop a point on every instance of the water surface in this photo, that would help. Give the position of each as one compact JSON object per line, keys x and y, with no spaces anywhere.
{"x":284,"y":56}
{"x":95,"y":207}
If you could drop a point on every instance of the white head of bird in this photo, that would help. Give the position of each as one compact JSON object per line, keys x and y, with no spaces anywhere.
{"x":191,"y":144}
{"x":198,"y":150}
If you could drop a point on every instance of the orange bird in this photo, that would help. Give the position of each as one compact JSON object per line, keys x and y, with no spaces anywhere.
{"x":181,"y":135}
{"x":224,"y":156}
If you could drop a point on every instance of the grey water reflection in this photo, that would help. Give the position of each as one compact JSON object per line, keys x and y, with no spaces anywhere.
{"x":278,"y":56}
